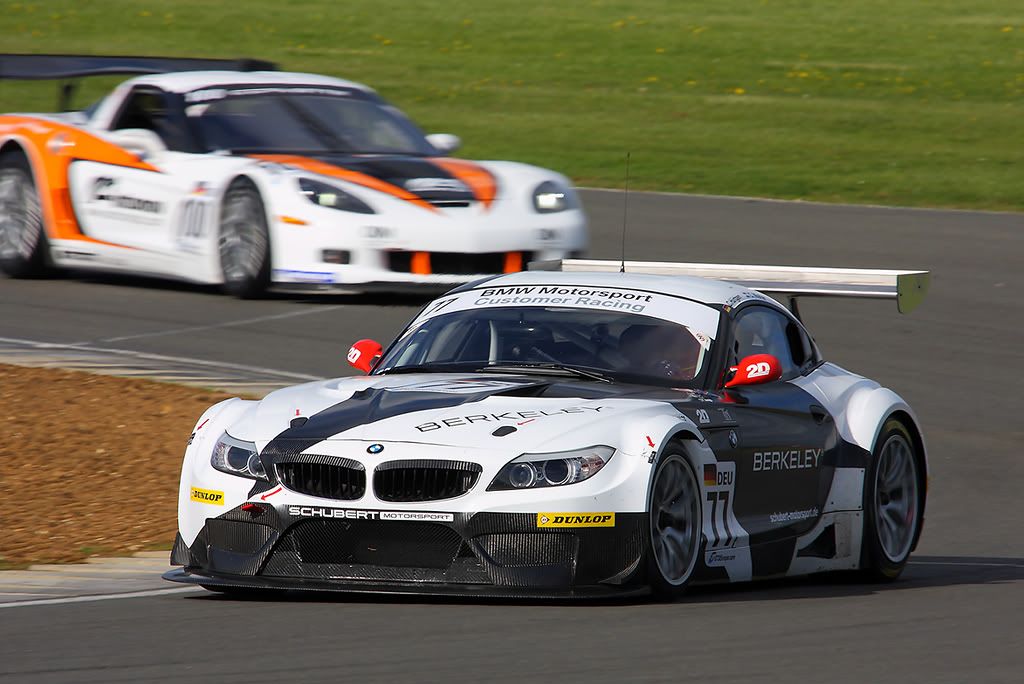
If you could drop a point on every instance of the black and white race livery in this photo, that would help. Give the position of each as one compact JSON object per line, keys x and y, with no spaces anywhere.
{"x":568,"y":431}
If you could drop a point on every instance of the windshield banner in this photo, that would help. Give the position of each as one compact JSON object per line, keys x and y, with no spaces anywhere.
{"x":697,"y":317}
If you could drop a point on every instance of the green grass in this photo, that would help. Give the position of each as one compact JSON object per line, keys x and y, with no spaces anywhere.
{"x":898,"y":102}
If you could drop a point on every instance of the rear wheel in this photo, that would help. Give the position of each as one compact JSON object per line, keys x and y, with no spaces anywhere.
{"x":675,"y":524}
{"x":244,"y":241}
{"x":23,"y":245}
{"x":892,"y":504}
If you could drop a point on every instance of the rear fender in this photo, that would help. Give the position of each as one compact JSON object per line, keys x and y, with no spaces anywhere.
{"x":51,"y":146}
{"x":867,"y":413}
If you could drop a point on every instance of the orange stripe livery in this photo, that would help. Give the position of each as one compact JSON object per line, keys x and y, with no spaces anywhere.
{"x":51,"y":147}
{"x":325,"y":169}
{"x":476,"y":177}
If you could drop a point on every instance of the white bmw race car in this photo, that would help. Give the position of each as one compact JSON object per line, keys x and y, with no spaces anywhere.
{"x":213,"y":172}
{"x":569,"y":432}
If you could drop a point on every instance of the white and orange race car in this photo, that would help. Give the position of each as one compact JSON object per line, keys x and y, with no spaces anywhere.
{"x":229,"y":172}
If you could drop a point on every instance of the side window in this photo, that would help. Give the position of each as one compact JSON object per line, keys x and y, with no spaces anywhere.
{"x":151,"y":109}
{"x":760,"y":330}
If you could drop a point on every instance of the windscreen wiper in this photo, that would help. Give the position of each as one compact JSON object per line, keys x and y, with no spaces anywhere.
{"x":428,"y":368}
{"x":546,"y":368}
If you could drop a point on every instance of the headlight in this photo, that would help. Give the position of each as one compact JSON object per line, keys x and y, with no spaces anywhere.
{"x":235,"y":457}
{"x":329,"y":196}
{"x":550,"y":197}
{"x":530,"y":471}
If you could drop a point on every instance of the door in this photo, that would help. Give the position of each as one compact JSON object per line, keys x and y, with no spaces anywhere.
{"x":785,"y":441}
{"x":136,"y":207}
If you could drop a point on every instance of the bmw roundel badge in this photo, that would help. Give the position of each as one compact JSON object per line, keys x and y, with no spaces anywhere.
{"x":375,"y":448}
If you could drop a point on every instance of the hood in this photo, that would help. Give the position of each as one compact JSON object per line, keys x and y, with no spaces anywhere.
{"x":458,"y":410}
{"x":427,"y":181}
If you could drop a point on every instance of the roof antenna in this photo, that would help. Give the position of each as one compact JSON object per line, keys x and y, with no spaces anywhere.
{"x":625,"y":213}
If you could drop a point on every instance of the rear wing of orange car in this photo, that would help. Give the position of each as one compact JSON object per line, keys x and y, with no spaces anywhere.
{"x":67,"y":68}
{"x":908,"y":288}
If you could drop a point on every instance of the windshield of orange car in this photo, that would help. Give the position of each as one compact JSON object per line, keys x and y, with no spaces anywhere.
{"x":301,"y":120}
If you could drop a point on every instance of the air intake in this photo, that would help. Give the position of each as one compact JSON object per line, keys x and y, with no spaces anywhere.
{"x":324,"y":476}
{"x":423,"y":480}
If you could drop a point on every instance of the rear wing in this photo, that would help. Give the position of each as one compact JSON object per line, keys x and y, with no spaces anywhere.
{"x":66,"y":67}
{"x":908,"y":288}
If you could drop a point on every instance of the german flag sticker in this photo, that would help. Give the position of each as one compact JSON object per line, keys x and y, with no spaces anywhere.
{"x":710,"y":473}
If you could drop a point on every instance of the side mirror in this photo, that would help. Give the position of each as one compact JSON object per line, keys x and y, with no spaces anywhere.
{"x":445,"y":143}
{"x":755,"y":370}
{"x":142,"y":142}
{"x":364,"y":355}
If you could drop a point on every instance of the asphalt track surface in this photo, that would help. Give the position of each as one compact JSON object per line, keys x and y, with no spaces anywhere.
{"x":954,"y":616}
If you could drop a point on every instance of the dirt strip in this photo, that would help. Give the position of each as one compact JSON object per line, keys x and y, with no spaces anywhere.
{"x":89,"y":464}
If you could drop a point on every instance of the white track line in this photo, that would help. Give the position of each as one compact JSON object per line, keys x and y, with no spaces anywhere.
{"x":817,"y":203}
{"x":35,"y":344}
{"x":214,"y":326}
{"x":99,"y":597}
{"x":969,"y":565}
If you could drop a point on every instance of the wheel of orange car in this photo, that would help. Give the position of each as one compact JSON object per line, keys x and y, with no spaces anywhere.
{"x":243,"y":241}
{"x":893,"y":503}
{"x":23,"y":245}
{"x":675,"y":524}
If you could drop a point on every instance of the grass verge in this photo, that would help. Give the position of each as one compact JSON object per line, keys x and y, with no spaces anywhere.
{"x":894,"y":102}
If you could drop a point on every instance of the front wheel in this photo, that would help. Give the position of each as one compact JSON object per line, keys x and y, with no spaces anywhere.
{"x":243,"y":241}
{"x":892,"y":504}
{"x":675,"y":525}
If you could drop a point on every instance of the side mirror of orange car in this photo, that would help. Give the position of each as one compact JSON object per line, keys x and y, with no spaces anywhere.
{"x":755,"y":370}
{"x":364,"y":355}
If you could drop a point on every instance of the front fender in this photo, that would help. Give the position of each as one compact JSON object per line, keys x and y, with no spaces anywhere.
{"x":649,"y":436}
{"x":196,"y":470}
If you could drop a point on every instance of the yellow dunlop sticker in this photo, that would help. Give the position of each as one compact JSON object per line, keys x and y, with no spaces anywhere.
{"x":575,"y":520}
{"x":208,"y":496}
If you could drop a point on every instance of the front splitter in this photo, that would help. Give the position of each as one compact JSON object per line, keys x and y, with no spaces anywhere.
{"x":184,"y":576}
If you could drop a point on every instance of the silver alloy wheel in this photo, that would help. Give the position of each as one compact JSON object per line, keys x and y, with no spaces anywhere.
{"x":896,"y":498}
{"x":242,"y":243}
{"x":20,"y":214}
{"x":675,"y":520}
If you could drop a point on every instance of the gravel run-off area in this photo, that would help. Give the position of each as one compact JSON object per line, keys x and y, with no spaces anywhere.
{"x":89,"y":464}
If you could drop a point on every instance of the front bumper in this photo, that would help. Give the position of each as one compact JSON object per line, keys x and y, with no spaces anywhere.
{"x":368,"y":269}
{"x":475,"y":554}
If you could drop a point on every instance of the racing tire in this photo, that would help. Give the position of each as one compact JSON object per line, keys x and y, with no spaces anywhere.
{"x":243,"y":241}
{"x":675,"y":515}
{"x":893,"y":503}
{"x":24,"y":249}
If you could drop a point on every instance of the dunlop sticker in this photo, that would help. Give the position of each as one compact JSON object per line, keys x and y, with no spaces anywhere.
{"x":575,"y":520}
{"x":207,"y":496}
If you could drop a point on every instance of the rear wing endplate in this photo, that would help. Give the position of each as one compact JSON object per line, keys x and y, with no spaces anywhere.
{"x":908,"y":288}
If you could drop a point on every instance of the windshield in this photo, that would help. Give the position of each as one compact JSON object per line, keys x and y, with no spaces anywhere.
{"x":301,"y":120}
{"x":619,"y":344}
